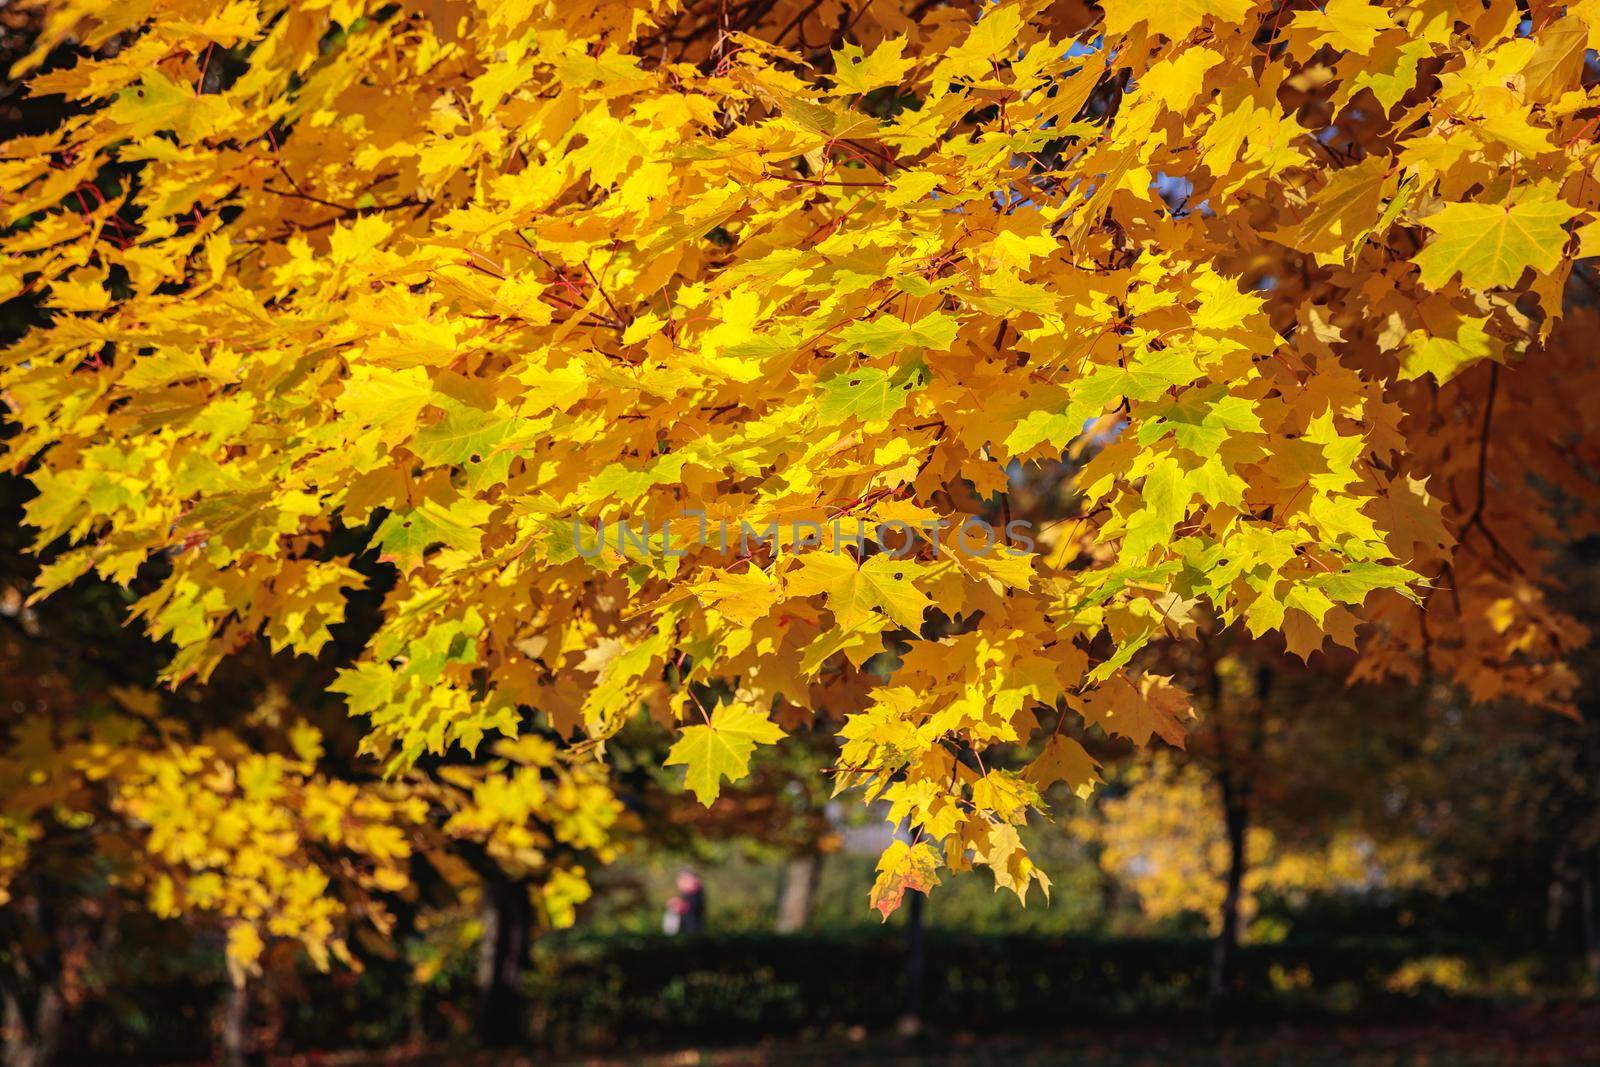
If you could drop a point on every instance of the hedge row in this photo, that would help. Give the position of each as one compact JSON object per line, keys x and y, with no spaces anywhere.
{"x":652,"y":992}
{"x":655,"y":991}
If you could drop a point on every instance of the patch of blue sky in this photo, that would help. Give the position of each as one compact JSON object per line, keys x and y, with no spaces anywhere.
{"x":1176,"y":190}
{"x":1085,"y":48}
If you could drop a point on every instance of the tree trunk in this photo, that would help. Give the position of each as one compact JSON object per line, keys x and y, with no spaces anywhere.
{"x":916,"y":964}
{"x":236,"y":1023}
{"x":1555,"y":910}
{"x":1589,"y":902}
{"x":798,"y":892}
{"x":31,"y":1001}
{"x":31,"y":1042}
{"x":503,"y":959}
{"x":1225,"y":952}
{"x":1590,"y":863}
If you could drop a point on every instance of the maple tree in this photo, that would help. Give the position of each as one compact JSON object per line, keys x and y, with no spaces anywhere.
{"x":464,"y":283}
{"x":1286,"y":785}
{"x":264,"y":846}
{"x":226,"y":817}
{"x":110,"y":803}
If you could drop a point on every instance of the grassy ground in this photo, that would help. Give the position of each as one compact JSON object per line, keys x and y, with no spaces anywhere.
{"x":1365,"y":1047}
{"x":1542,"y":1037}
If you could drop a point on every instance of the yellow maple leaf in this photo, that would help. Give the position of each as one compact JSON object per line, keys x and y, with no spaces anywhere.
{"x":1490,"y":245}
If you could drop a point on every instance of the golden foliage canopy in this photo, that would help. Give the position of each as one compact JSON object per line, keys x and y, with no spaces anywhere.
{"x":467,"y":279}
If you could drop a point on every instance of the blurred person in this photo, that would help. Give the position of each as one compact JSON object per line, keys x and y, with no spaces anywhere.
{"x":686,"y":911}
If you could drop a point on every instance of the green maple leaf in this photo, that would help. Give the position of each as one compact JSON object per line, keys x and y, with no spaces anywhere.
{"x":886,"y":334}
{"x":1444,"y":356}
{"x":1202,"y":424}
{"x":1352,"y":584}
{"x":465,"y":435}
{"x":866,"y":393}
{"x":409,"y":532}
{"x":721,"y":748}
{"x":853,"y":592}
{"x":1491,"y":245}
{"x":1166,"y":495}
